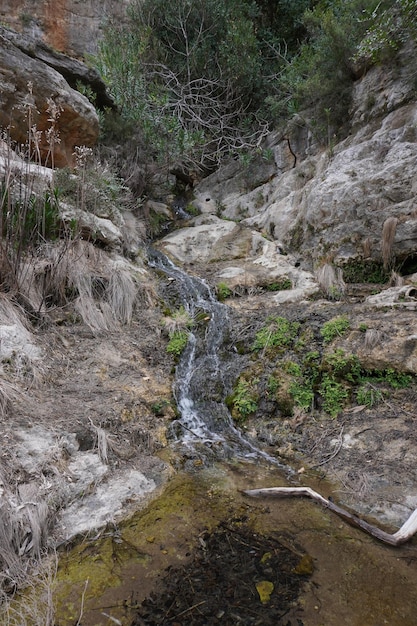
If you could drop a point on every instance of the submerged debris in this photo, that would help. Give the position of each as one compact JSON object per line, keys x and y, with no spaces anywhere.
{"x":235,"y":577}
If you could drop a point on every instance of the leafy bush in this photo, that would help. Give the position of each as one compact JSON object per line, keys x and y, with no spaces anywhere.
{"x":393,"y":23}
{"x":320,"y":77}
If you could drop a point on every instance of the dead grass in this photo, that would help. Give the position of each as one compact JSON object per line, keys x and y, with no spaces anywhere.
{"x":373,"y":337}
{"x":35,"y":605}
{"x":388,"y":235}
{"x":330,"y":280}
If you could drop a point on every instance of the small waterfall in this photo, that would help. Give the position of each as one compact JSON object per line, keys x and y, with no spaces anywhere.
{"x":206,"y":371}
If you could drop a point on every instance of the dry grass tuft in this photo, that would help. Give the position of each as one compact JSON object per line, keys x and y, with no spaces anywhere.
{"x":102,"y":291}
{"x":367,"y":248}
{"x":330,"y":280}
{"x":102,"y":440}
{"x":388,"y":235}
{"x":36,"y":606}
{"x":373,"y":337}
{"x":396,"y":280}
{"x":121,"y":293}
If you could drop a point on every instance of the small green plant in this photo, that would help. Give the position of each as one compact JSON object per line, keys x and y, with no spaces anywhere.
{"x":363,"y":327}
{"x":397,"y":380}
{"x":366,"y":271}
{"x":336,"y":327}
{"x":302,"y":394}
{"x":223,"y":291}
{"x":282,"y":284}
{"x":342,"y":365}
{"x":177,"y":320}
{"x":292,"y":368}
{"x":244,"y":400}
{"x":272,"y":385}
{"x":368,"y":395}
{"x":280,"y":333}
{"x":334,"y":395}
{"x":177,"y":342}
{"x":192,"y":210}
{"x":159,"y":407}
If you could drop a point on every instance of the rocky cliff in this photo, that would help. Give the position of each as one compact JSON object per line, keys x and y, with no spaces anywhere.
{"x":331,"y":205}
{"x":69,"y":26}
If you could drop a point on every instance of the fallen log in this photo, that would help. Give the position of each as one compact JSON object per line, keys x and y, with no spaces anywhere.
{"x":407,"y":530}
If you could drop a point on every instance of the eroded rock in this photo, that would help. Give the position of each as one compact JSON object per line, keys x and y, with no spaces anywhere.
{"x":30,"y":93}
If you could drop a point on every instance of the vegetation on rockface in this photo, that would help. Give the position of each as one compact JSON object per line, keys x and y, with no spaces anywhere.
{"x":295,"y":370}
{"x":53,"y":270}
{"x":49,"y":260}
{"x":198,"y":81}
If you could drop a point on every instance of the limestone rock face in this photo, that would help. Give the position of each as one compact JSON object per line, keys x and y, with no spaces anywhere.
{"x":70,"y":26}
{"x":333,"y":204}
{"x":23,"y":107}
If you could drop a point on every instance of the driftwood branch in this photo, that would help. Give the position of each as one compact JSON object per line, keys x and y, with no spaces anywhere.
{"x":407,"y":530}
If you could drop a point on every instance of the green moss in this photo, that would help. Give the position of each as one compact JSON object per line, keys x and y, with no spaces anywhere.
{"x":336,"y":327}
{"x":279,"y":333}
{"x":365,"y":271}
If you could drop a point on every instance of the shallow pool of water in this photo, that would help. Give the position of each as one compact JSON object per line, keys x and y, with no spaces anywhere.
{"x":356,"y":580}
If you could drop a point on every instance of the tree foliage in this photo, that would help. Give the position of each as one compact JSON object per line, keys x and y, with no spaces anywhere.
{"x":194,"y":74}
{"x":204,"y":79}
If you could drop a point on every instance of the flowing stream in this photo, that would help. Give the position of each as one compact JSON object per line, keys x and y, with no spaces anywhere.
{"x":206,"y":371}
{"x":355,"y":581}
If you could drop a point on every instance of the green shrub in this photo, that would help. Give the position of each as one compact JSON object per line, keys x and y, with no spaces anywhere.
{"x":320,"y":77}
{"x":336,"y":327}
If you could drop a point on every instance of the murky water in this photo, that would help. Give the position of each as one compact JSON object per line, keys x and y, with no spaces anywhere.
{"x":356,"y":581}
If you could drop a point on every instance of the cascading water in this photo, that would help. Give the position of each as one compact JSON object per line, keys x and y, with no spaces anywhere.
{"x":205,"y":372}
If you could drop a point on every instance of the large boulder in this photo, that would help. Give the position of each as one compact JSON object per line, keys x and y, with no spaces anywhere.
{"x":29,"y":90}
